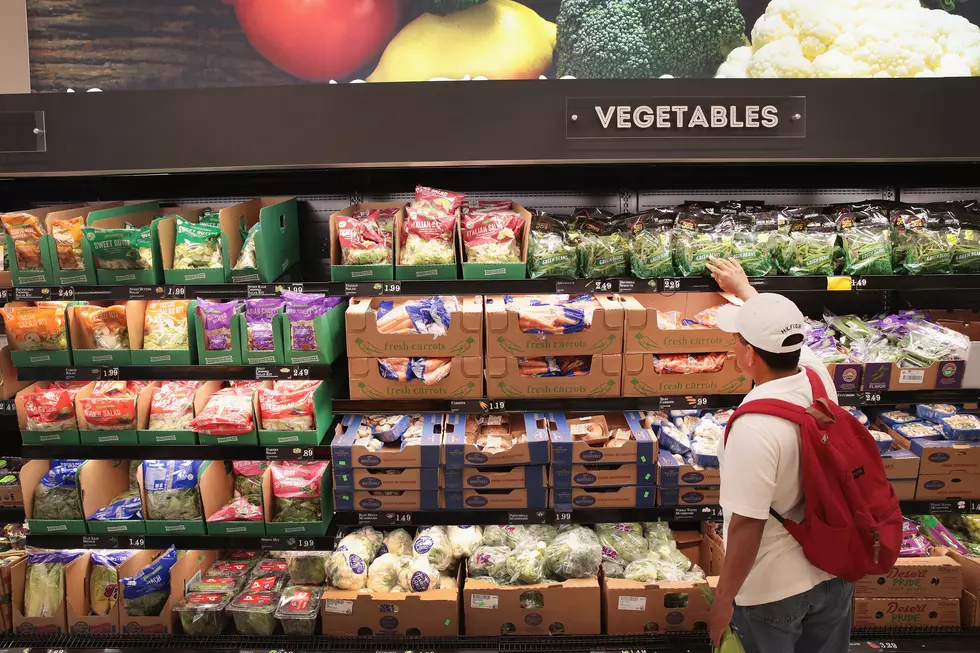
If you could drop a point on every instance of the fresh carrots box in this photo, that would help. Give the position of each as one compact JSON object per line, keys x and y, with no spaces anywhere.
{"x":464,"y":379}
{"x":652,"y":375}
{"x":605,"y":438}
{"x":516,"y":328}
{"x":508,"y":376}
{"x":654,"y":323}
{"x":395,"y":333}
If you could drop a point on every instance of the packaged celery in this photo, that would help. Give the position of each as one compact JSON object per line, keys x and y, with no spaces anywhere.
{"x":651,"y":244}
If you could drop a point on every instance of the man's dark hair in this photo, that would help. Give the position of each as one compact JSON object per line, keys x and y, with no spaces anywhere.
{"x":788,"y":362}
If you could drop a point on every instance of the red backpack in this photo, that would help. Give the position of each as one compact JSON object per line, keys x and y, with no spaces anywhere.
{"x":853,"y":522}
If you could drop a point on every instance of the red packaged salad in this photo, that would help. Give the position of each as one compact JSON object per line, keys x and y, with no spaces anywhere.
{"x":228,"y":412}
{"x":50,"y":410}
{"x":362,"y":241}
{"x":112,"y":405}
{"x":287,"y":410}
{"x":427,"y":237}
{"x":442,"y":201}
{"x":493,"y":237}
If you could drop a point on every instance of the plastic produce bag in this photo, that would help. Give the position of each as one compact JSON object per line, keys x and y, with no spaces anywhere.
{"x":652,"y":244}
{"x":700,"y":235}
{"x":297,"y":489}
{"x":810,"y":249}
{"x":57,"y":495}
{"x":384,"y":570}
{"x":216,"y":320}
{"x":44,"y":582}
{"x":542,"y":533}
{"x":197,"y":246}
{"x":966,"y":250}
{"x":753,"y":242}
{"x":356,"y":551}
{"x":427,"y":237}
{"x":602,"y":245}
{"x":172,"y":406}
{"x":434,"y":543}
{"x":866,"y":239}
{"x":103,"y":583}
{"x":493,"y":237}
{"x":248,"y":258}
{"x":36,"y":328}
{"x":116,"y":249}
{"x":442,"y":201}
{"x":622,"y":543}
{"x":111,"y":405}
{"x":550,"y":251}
{"x":228,"y":412}
{"x":397,"y":542}
{"x":465,"y":539}
{"x":165,"y":324}
{"x":287,"y":410}
{"x":509,"y":535}
{"x":105,"y":326}
{"x":489,"y":561}
{"x":363,"y":241}
{"x":67,"y":236}
{"x":259,"y":314}
{"x":575,"y":553}
{"x":50,"y":410}
{"x":123,"y":507}
{"x":930,"y":241}
{"x":418,"y":576}
{"x":172,"y":490}
{"x":146,"y":592}
{"x":248,"y":480}
{"x":26,"y":230}
{"x":429,"y":315}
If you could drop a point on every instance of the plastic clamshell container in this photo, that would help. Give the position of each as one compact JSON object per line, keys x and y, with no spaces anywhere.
{"x":255,"y":613}
{"x":298,"y":609}
{"x":705,"y":459}
{"x":268,"y":566}
{"x":232,"y":568}
{"x":895,"y":417}
{"x":935,"y":412}
{"x":859,"y":414}
{"x":883,"y":440}
{"x":217,"y":584}
{"x":961,"y":427}
{"x":272,"y":581}
{"x":912,"y":430}
{"x":399,"y":424}
{"x":202,"y":614}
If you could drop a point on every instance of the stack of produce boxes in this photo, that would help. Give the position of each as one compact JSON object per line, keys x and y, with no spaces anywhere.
{"x":687,"y":468}
{"x":602,"y":461}
{"x":920,"y":590}
{"x":415,"y":347}
{"x":672,"y":347}
{"x":554,"y":346}
{"x":901,"y":465}
{"x":387,"y":462}
{"x":496,"y":462}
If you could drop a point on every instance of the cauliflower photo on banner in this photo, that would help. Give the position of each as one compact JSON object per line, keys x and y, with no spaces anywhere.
{"x":856,"y":38}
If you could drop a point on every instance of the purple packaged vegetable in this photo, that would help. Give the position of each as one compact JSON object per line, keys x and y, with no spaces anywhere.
{"x":216,"y":319}
{"x":941,"y":535}
{"x":914,"y":547}
{"x":302,"y":335}
{"x":258,"y":322}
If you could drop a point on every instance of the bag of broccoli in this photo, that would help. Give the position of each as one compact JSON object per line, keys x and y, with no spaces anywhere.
{"x":601,"y":241}
{"x":103,"y":582}
{"x":197,"y":246}
{"x":57,"y":495}
{"x":700,"y":234}
{"x":966,"y":251}
{"x":172,"y":490}
{"x":812,"y":237}
{"x":145,"y":593}
{"x":651,"y":244}
{"x":44,"y":582}
{"x":551,"y":252}
{"x":930,"y":241}
{"x":754,"y":241}
{"x":866,"y":239}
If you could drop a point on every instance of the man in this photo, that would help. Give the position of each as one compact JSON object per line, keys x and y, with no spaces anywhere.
{"x":777,"y":600}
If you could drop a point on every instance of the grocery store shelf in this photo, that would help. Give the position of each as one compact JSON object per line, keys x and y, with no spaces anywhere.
{"x":11,"y":515}
{"x":175,"y":372}
{"x":175,"y":452}
{"x":487,"y":517}
{"x":185,"y":542}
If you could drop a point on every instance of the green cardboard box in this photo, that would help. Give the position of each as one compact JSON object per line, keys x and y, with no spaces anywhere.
{"x":381,"y":272}
{"x":101,"y":481}
{"x":142,"y":356}
{"x":274,"y":357}
{"x":497,"y":270}
{"x":97,"y":217}
{"x":276,"y":243}
{"x":100,"y":436}
{"x":85,"y":351}
{"x":201,"y":402}
{"x":217,"y":491}
{"x":323,"y":418}
{"x":30,"y":476}
{"x":177,"y":526}
{"x":330,"y":338}
{"x":66,"y":436}
{"x":231,"y":356}
{"x":146,"y":436}
{"x":446,"y":272}
{"x":38,"y":357}
{"x":298,"y":528}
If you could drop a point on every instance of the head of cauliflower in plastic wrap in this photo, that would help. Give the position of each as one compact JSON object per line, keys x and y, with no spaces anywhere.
{"x":434,"y":545}
{"x":575,"y":553}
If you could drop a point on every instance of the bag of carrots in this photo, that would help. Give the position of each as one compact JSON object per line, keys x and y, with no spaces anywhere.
{"x":429,"y":316}
{"x":427,"y":370}
{"x":689,"y":363}
{"x":552,"y":314}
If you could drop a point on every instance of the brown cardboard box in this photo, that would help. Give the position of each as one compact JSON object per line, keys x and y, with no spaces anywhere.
{"x":503,"y":499}
{"x":889,"y":376}
{"x":689,"y":543}
{"x":641,"y":380}
{"x":627,"y":496}
{"x":81,"y":621}
{"x":56,"y":624}
{"x":101,"y":481}
{"x":458,"y":452}
{"x":465,"y":379}
{"x":463,"y":338}
{"x":644,"y":336}
{"x":641,"y":449}
{"x":932,"y":577}
{"x":637,"y":608}
{"x":434,"y":613}
{"x":82,"y":339}
{"x":183,"y":570}
{"x":957,"y":484}
{"x":712,"y":554}
{"x":905,"y":489}
{"x":688,"y":496}
{"x":945,"y":456}
{"x":603,"y":336}
{"x":10,"y":385}
{"x":900,"y":464}
{"x":970,"y":606}
{"x":572,"y":607}
{"x":410,"y":500}
{"x":336,"y":255}
{"x":906,"y":613}
{"x":504,"y":380}
{"x":969,"y":610}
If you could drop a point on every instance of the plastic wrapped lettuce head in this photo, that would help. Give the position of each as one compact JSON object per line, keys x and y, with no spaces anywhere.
{"x":526,"y":566}
{"x":575,"y":553}
{"x":465,"y":540}
{"x":104,"y":579}
{"x":506,"y":535}
{"x":622,"y":543}
{"x":488,"y":561}
{"x":543,"y":532}
{"x":44,"y":582}
{"x":447,"y":581}
{"x":670,"y":553}
{"x":433,"y":543}
{"x":657,"y":533}
{"x":383,"y":572}
{"x":397,"y":542}
{"x":349,"y":565}
{"x":419,"y":576}
{"x":646,"y":570}
{"x":365,"y":540}
{"x":612,"y":569}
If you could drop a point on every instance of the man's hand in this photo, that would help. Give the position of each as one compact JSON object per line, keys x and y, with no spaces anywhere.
{"x":731,"y":277}
{"x":719,"y":619}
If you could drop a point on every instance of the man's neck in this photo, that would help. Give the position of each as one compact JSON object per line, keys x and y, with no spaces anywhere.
{"x":770,"y":375}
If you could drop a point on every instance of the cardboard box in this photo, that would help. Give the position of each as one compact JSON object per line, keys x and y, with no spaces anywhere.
{"x":887,"y":376}
{"x":605,"y":475}
{"x":458,"y":454}
{"x":496,"y":270}
{"x":640,"y":449}
{"x":65,"y":436}
{"x":89,"y":435}
{"x":904,"y":489}
{"x":532,"y":477}
{"x":465,"y":379}
{"x":100,"y":482}
{"x":957,"y":484}
{"x":322,"y":420}
{"x":629,"y":496}
{"x":328,"y":329}
{"x":432,"y":613}
{"x":218,"y":490}
{"x":230,"y":356}
{"x":847,"y":376}
{"x":906,"y":613}
{"x":409,"y":500}
{"x":505,"y":338}
{"x":191,"y":563}
{"x":572,"y":607}
{"x":506,"y":499}
{"x":644,"y":336}
{"x":404,"y":478}
{"x":46,"y":275}
{"x":463,"y":338}
{"x":30,"y":475}
{"x":78,"y":602}
{"x":712,"y":550}
{"x":932,"y":577}
{"x":381,"y":272}
{"x":36,"y":358}
{"x":671,"y":473}
{"x":345,"y":456}
{"x":689,"y":543}
{"x":900,"y":464}
{"x":83,"y":347}
{"x":641,"y":380}
{"x":10,"y":384}
{"x":944,"y":456}
{"x":637,"y":608}
{"x":969,"y":604}
{"x":319,"y":528}
{"x":688,"y":496}
{"x":142,"y":356}
{"x":504,"y":380}
{"x":56,"y":624}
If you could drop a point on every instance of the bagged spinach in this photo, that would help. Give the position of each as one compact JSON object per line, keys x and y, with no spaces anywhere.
{"x":930,"y":241}
{"x":753,"y":242}
{"x":44,"y":582}
{"x":57,"y":495}
{"x":866,"y":240}
{"x":103,"y":580}
{"x":701,"y":233}
{"x":651,"y":244}
{"x":125,"y":506}
{"x":172,"y":490}
{"x":966,"y":251}
{"x":601,"y":243}
{"x":551,"y":252}
{"x":145,"y":593}
{"x":297,"y":489}
{"x":810,"y":248}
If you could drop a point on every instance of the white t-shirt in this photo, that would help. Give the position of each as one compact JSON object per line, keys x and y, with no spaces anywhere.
{"x":760,"y":467}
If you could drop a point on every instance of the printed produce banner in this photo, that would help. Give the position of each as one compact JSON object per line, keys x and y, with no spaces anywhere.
{"x":149,"y":44}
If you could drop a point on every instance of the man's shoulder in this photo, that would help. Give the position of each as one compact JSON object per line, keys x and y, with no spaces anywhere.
{"x":759,"y":427}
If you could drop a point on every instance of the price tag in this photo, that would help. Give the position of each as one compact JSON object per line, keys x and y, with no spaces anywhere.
{"x":519,"y":518}
{"x":8,"y":407}
{"x":83,"y":374}
{"x":872,"y":397}
{"x":697,"y":402}
{"x":391,"y":287}
{"x":4,"y":294}
{"x":295,"y":287}
{"x":271,"y":543}
{"x":144,"y":292}
{"x":633,"y":603}
{"x":300,"y":372}
{"x":859,"y":282}
{"x":484,"y":601}
{"x":135,"y":542}
{"x":606,"y":285}
{"x":110,"y":373}
{"x":337,"y":606}
{"x":99,"y":542}
{"x":289,"y":453}
{"x":260,"y":290}
{"x":305,"y":543}
{"x":384,"y":518}
{"x":175,"y":292}
{"x":262,"y":372}
{"x":66,"y":293}
{"x":884,"y":646}
{"x":29,"y":293}
{"x":671,"y":285}
{"x":563,"y":517}
{"x":668,"y":403}
{"x":839,"y":283}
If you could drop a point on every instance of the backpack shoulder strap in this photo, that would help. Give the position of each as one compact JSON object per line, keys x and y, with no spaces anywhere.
{"x":816,"y":384}
{"x":774,"y":407}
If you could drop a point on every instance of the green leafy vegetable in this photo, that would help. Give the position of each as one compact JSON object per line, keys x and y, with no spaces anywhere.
{"x":202,"y":614}
{"x":550,"y":251}
{"x":699,"y":235}
{"x":601,"y":243}
{"x":866,"y":241}
{"x":255,"y":613}
{"x":622,"y":543}
{"x":651,"y":244}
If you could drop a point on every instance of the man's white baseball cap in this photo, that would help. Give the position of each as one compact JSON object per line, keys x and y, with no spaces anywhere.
{"x":765,"y":321}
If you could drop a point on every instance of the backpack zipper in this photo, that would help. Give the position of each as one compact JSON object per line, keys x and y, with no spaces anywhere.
{"x":877,"y":547}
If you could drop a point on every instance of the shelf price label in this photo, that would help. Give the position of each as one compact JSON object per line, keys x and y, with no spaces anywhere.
{"x":871,"y":397}
{"x":83,"y":373}
{"x":671,"y":285}
{"x":391,"y":288}
{"x":478,"y":406}
{"x":606,"y":285}
{"x":282,"y":372}
{"x":144,"y":292}
{"x":289,"y":453}
{"x":840,"y":283}
{"x":4,"y":294}
{"x":8,"y":407}
{"x":110,"y":373}
{"x":135,"y":542}
{"x":384,"y":518}
{"x":563,"y":517}
{"x":305,"y":543}
{"x":99,"y":542}
{"x":175,"y":292}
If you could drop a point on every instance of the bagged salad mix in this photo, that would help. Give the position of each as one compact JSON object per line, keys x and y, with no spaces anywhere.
{"x":165,"y":324}
{"x":216,"y":320}
{"x":57,"y":495}
{"x":197,"y":246}
{"x":551,"y":251}
{"x":493,"y":236}
{"x":51,"y":409}
{"x":106,"y":327}
{"x":601,"y":242}
{"x":259,"y":314}
{"x":36,"y":328}
{"x":146,"y":592}
{"x":248,"y":480}
{"x":26,"y":231}
{"x":44,"y":582}
{"x":427,"y":237}
{"x":172,"y":490}
{"x":248,"y":258}
{"x":441,"y":201}
{"x":284,"y":409}
{"x":122,"y":507}
{"x":700,"y":233}
{"x":67,"y":236}
{"x":172,"y":406}
{"x":866,"y":238}
{"x":228,"y":412}
{"x":297,"y":489}
{"x":111,"y":406}
{"x":120,"y":249}
{"x":651,"y":244}
{"x":302,"y":309}
{"x":966,"y":250}
{"x":363,"y":241}
{"x":103,"y":582}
